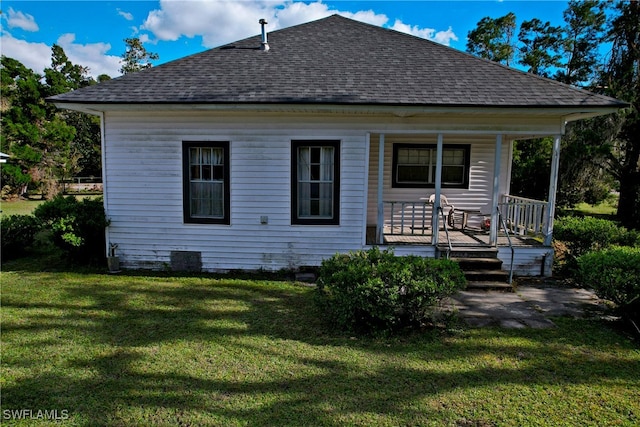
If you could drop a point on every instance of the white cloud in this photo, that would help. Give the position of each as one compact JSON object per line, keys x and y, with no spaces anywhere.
{"x":442,"y":37}
{"x":92,"y":55}
{"x":37,"y":56}
{"x":17,"y":19}
{"x":220,"y":22}
{"x":126,"y":15}
{"x":445,"y":37}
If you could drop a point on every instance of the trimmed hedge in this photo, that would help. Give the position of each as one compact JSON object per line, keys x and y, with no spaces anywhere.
{"x":577,"y":236}
{"x":614,"y":274}
{"x":582,"y":235}
{"x":375,"y":291}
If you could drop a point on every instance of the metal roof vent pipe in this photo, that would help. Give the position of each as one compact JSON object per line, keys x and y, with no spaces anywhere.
{"x":264,"y":46}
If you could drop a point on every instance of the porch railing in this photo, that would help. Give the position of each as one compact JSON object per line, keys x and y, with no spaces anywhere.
{"x":524,"y":216}
{"x":407,"y":218}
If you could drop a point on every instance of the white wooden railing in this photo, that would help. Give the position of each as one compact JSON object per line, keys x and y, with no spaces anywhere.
{"x":524,"y":216}
{"x":407,"y":218}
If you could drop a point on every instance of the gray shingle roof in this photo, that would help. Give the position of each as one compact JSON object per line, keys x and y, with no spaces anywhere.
{"x":336,"y":60}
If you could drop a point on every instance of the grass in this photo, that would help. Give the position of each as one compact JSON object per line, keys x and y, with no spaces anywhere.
{"x":27,"y":206}
{"x":19,"y":207}
{"x":145,"y":349}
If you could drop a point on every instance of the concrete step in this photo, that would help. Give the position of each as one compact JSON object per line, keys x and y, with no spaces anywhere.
{"x":479,"y":263}
{"x":489,"y":285}
{"x":461,"y":252}
{"x":486,"y":275}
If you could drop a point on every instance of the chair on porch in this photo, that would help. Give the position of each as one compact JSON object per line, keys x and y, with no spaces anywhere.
{"x":447,"y":207}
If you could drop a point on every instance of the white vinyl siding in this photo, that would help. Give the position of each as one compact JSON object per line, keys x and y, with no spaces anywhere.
{"x":144,"y":193}
{"x":144,"y":182}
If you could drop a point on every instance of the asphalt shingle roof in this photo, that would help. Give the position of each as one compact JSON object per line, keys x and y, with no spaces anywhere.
{"x":337,"y":60}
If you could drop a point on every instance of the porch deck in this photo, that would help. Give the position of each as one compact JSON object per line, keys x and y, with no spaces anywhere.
{"x":459,"y":238}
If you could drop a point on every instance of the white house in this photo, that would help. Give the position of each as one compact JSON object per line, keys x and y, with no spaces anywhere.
{"x":328,"y":137}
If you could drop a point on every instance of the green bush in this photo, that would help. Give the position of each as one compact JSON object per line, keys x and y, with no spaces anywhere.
{"x":582,"y":235}
{"x":77,"y":226}
{"x":375,"y":291}
{"x":18,"y":233}
{"x":614,"y":274}
{"x":576,"y":236}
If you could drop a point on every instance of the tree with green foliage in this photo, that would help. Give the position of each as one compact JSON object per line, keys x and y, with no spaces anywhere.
{"x":23,"y":114}
{"x":136,"y":57}
{"x":540,"y":45}
{"x":571,"y":55}
{"x":585,"y":21}
{"x":46,"y":144}
{"x":621,"y":79}
{"x":493,"y":38}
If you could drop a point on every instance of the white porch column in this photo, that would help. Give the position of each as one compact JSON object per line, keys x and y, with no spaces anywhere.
{"x":553,"y":189}
{"x":380,"y":221}
{"x":493,"y":231}
{"x":436,"y":202}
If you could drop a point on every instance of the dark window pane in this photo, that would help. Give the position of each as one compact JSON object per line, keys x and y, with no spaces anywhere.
{"x":206,"y":172}
{"x":315,"y":191}
{"x":453,"y":174}
{"x":315,"y":154}
{"x":315,"y":172}
{"x":315,"y":207}
{"x":413,"y":174}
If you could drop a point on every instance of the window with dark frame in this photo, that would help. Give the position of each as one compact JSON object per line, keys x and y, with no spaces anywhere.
{"x":315,"y":178}
{"x":414,"y":165}
{"x":206,"y":182}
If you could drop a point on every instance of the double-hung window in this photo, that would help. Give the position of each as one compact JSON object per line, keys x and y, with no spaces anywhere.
{"x":315,"y":177}
{"x":206,"y":182}
{"x":414,"y":166}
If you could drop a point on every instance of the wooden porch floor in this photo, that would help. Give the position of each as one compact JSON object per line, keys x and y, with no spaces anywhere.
{"x":464,"y":238}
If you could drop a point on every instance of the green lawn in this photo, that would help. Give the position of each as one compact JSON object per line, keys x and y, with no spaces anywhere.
{"x":26,"y":207}
{"x":19,"y":207}
{"x":144,"y":349}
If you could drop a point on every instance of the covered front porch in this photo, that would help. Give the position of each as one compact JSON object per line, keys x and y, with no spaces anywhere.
{"x":442,"y":216}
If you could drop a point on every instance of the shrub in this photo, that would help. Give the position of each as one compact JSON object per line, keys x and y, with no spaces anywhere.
{"x":582,"y":235}
{"x":614,"y":274}
{"x":18,"y":233}
{"x":375,"y":291}
{"x":77,"y":226}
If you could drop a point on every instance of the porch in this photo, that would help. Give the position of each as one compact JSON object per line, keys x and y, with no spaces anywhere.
{"x":521,"y":222}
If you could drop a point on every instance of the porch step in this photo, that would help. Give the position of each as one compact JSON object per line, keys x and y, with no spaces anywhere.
{"x":490,"y":285}
{"x":466,"y":253}
{"x":481,"y":266}
{"x":478,"y":263}
{"x":486,"y":275}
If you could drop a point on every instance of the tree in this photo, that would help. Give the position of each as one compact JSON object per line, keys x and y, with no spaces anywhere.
{"x":493,"y":38}
{"x":136,"y":57}
{"x":23,"y":112}
{"x":621,"y":79}
{"x":582,"y":36}
{"x":540,"y":46}
{"x":45,"y":143}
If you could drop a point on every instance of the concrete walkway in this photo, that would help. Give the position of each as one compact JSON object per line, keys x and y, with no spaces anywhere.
{"x":533,"y":303}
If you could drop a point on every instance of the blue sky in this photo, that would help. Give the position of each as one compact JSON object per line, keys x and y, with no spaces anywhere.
{"x":92,"y":32}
